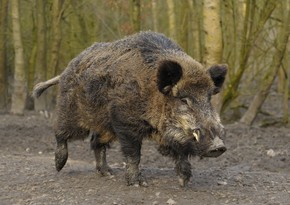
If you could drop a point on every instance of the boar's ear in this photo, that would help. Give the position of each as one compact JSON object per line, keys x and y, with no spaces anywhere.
{"x":169,"y":73}
{"x":218,"y":75}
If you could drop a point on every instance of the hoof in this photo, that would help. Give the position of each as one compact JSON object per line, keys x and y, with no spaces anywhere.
{"x":136,"y":180}
{"x":183,"y":182}
{"x":105,"y":171}
{"x":61,"y":156}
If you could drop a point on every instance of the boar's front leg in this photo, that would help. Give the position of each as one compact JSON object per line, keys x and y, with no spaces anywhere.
{"x":183,"y":169}
{"x":182,"y":165}
{"x":131,"y":149}
{"x":100,"y":154}
{"x":130,"y":132}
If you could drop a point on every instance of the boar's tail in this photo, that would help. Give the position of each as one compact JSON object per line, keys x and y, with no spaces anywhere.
{"x":39,"y":88}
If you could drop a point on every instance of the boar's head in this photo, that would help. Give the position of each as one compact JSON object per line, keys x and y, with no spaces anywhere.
{"x":190,"y":125}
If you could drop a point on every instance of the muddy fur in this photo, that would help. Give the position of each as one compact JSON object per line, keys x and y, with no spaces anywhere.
{"x":142,"y":86}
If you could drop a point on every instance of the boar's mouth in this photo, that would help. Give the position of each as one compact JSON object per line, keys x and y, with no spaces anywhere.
{"x":216,"y":149}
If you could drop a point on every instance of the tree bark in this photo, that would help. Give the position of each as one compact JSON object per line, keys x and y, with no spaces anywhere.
{"x":184,"y":31}
{"x":57,"y":12}
{"x":3,"y":70}
{"x":136,"y":15}
{"x":253,"y":25}
{"x":261,"y":95}
{"x":213,"y":33}
{"x":286,"y":87}
{"x":213,"y":39}
{"x":40,"y":61}
{"x":154,"y":14}
{"x":201,"y":41}
{"x":281,"y":80}
{"x":171,"y":19}
{"x":19,"y":93}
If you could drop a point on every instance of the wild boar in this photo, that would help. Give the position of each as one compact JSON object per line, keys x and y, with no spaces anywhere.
{"x":142,"y":86}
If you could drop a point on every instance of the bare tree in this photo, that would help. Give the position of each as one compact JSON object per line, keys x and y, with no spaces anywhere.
{"x":40,"y":61}
{"x":268,"y":78}
{"x":253,"y":25}
{"x":171,"y":19}
{"x":3,"y":70}
{"x":154,"y":14}
{"x":136,"y":15}
{"x":20,"y":84}
{"x":213,"y":32}
{"x":56,"y":35}
{"x":286,"y":70}
{"x":184,"y":26}
{"x":213,"y":38}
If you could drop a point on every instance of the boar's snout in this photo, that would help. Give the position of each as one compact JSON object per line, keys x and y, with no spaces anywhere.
{"x":216,"y":149}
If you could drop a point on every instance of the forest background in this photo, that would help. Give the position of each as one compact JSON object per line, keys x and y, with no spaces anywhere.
{"x":39,"y":37}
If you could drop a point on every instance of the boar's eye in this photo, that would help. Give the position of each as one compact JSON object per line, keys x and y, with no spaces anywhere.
{"x":186,"y":101}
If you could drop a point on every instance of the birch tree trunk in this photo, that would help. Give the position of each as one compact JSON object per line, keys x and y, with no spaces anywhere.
{"x":19,"y":93}
{"x":213,"y":38}
{"x":3,"y":70}
{"x":40,"y":61}
{"x":281,"y":45}
{"x":213,"y":33}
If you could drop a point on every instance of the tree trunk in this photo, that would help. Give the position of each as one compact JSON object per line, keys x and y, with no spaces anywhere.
{"x":136,"y":15}
{"x":213,"y":33}
{"x":201,"y":41}
{"x":286,"y":87}
{"x":213,"y":38}
{"x":19,"y":93}
{"x":282,"y":40}
{"x":253,"y":25}
{"x":230,"y":27}
{"x":184,"y":31}
{"x":193,"y":35}
{"x":281,"y":80}
{"x":40,"y":61}
{"x":57,"y":12}
{"x":154,"y":15}
{"x":3,"y":70}
{"x":79,"y":10}
{"x":171,"y":19}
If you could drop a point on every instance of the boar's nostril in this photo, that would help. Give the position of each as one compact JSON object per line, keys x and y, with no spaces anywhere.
{"x":221,"y":149}
{"x":196,"y":134}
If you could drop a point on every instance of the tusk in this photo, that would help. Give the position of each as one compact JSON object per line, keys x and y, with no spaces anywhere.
{"x":196,"y":135}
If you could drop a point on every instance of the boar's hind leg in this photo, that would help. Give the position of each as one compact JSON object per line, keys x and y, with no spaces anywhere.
{"x":61,"y":153}
{"x":64,"y":133}
{"x":100,"y":155}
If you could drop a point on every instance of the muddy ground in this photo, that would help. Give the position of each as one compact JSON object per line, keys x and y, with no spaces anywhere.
{"x":255,"y":170}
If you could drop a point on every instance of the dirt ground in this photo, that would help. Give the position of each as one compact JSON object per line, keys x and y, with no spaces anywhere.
{"x":255,"y":170}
